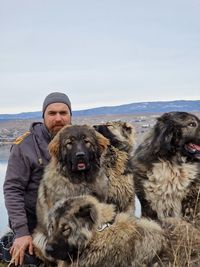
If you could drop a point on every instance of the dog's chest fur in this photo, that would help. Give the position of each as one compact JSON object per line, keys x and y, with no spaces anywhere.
{"x":167,"y":185}
{"x":58,"y":186}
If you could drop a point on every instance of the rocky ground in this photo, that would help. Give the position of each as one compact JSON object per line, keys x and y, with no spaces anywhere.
{"x":141,"y":123}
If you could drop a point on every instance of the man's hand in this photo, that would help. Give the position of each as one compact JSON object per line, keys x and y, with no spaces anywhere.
{"x":18,"y":248}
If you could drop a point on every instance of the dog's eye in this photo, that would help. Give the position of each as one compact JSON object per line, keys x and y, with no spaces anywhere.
{"x":192,"y":124}
{"x":86,"y":141}
{"x":50,"y":229}
{"x":69,"y":144}
{"x":110,"y":126}
{"x":66,"y":231}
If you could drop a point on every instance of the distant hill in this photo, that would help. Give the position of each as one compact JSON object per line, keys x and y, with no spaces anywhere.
{"x":133,"y":108}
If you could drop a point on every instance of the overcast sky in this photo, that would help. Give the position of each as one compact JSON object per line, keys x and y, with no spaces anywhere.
{"x":99,"y":52}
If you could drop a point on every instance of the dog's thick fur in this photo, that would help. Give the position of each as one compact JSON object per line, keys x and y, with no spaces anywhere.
{"x":79,"y":235}
{"x":167,"y":168}
{"x":76,"y":168}
{"x":118,"y":165}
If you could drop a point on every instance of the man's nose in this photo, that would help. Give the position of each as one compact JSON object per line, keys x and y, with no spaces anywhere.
{"x":58,"y":117}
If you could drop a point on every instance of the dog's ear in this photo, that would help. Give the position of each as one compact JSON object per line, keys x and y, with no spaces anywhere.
{"x":166,"y":135}
{"x":88,"y":214}
{"x":103,"y":129}
{"x":128,"y":128}
{"x":102,"y":141}
{"x":162,"y":138}
{"x":54,"y":146}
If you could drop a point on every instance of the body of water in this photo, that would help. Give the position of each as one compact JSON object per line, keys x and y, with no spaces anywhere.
{"x":4,"y":217}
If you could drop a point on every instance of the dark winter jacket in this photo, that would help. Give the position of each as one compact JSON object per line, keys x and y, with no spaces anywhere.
{"x":29,"y":155}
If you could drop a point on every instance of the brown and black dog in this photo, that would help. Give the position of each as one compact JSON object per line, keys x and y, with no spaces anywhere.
{"x":119,"y":169}
{"x":77,"y":167}
{"x":86,"y":233}
{"x":167,"y":168}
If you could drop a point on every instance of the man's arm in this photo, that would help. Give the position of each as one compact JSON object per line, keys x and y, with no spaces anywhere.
{"x":16,"y":181}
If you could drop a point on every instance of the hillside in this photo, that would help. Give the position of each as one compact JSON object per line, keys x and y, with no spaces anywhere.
{"x":133,"y":108}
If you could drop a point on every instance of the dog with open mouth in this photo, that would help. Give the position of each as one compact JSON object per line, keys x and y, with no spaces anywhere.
{"x":167,"y":168}
{"x":76,"y":168}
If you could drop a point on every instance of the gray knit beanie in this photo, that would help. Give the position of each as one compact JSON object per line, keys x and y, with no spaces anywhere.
{"x":56,"y":97}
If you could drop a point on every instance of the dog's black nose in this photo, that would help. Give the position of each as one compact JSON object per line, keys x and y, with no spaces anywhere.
{"x":49,"y":249}
{"x":80,"y":154}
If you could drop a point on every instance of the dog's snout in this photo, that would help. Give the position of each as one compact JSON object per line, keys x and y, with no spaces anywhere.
{"x":80,"y":154}
{"x":49,"y":249}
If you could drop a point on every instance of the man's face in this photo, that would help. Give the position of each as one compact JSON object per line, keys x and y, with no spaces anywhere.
{"x":56,"y":116}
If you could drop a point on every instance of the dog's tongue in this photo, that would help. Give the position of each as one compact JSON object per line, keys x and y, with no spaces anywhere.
{"x":193,"y":146}
{"x":81,"y":166}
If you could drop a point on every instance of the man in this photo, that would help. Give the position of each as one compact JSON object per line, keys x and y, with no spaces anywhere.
{"x":29,"y":155}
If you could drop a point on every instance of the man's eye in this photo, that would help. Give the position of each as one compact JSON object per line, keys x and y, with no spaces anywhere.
{"x":52,"y":113}
{"x":63,"y":113}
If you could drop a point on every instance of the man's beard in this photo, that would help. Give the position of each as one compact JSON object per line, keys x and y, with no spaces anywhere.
{"x":55,"y":129}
